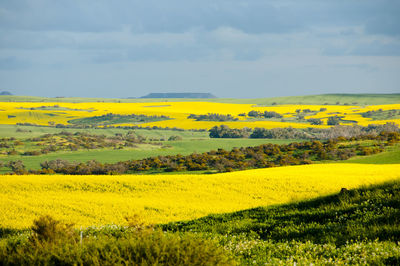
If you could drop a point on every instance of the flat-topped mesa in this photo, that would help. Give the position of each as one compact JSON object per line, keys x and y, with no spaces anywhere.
{"x":179,"y":95}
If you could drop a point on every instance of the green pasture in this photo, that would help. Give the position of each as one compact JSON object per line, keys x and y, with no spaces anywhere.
{"x":183,"y":147}
{"x":353,"y":227}
{"x":390,"y":156}
{"x":7,"y":131}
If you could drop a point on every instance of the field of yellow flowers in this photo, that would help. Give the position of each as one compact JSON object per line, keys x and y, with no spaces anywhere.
{"x":99,"y":200}
{"x":61,"y":113}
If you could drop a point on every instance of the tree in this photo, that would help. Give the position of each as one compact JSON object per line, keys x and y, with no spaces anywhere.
{"x":333,"y":120}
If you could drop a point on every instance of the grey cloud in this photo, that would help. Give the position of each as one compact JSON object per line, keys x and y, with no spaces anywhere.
{"x":12,"y":63}
{"x":377,"y":49}
{"x":254,"y":16}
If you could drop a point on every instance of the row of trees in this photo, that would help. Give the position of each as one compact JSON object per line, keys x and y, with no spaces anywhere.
{"x":266,"y":155}
{"x":87,"y":126}
{"x":76,"y":141}
{"x":213,"y":117}
{"x":380,"y":112}
{"x":111,"y":118}
{"x":265,"y":114}
{"x":224,"y":131}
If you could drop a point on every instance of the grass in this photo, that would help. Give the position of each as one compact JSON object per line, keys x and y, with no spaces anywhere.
{"x":390,"y":156}
{"x":360,"y":99}
{"x":365,"y":213}
{"x":359,"y":226}
{"x":183,"y":147}
{"x":36,"y":131}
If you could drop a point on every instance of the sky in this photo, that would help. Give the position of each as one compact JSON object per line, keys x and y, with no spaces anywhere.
{"x":231,"y":48}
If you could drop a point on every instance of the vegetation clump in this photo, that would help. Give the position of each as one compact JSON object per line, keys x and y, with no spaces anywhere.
{"x":265,"y":114}
{"x":224,"y":131}
{"x":110,"y":118}
{"x":381,"y":114}
{"x":53,"y":244}
{"x":263,"y":156}
{"x":66,"y":141}
{"x":213,"y":117}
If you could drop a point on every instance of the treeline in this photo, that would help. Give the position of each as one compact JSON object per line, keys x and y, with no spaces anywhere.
{"x":224,"y":131}
{"x":387,"y":114}
{"x":111,"y":118}
{"x":265,"y":114}
{"x":88,"y":126}
{"x":73,"y":142}
{"x":213,"y":117}
{"x":263,"y":156}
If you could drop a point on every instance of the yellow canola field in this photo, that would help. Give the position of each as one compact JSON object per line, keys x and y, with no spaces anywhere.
{"x":61,"y":113}
{"x":99,"y":200}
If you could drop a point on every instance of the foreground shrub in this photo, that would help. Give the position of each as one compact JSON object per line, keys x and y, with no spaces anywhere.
{"x":47,"y":229}
{"x":52,"y":245}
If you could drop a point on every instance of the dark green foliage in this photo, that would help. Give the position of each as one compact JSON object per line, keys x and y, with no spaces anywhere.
{"x":16,"y":166}
{"x":359,"y":226}
{"x":110,"y":118}
{"x":266,"y":114}
{"x":315,"y":121}
{"x":51,"y":244}
{"x":174,"y":138}
{"x":279,"y":133}
{"x":368,"y":213}
{"x":381,"y":115}
{"x":333,"y":120}
{"x":213,"y":117}
{"x":224,"y":131}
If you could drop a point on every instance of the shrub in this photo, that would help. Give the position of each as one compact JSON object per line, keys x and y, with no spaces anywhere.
{"x":315,"y":121}
{"x":172,"y":138}
{"x":333,"y":120}
{"x":47,"y":229}
{"x":51,"y":246}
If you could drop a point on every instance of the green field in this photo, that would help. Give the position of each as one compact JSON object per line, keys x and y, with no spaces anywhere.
{"x":36,"y":131}
{"x":351,"y":99}
{"x":184,"y":147}
{"x":390,"y":156}
{"x":191,"y":142}
{"x":360,"y":226}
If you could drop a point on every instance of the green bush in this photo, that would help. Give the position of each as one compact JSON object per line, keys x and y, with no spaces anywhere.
{"x":51,"y":243}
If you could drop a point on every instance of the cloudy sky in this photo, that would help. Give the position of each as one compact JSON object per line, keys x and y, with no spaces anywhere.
{"x":231,"y":48}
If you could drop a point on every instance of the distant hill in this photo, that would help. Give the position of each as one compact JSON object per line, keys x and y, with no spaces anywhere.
{"x":179,"y":95}
{"x":5,"y":93}
{"x":328,"y":99}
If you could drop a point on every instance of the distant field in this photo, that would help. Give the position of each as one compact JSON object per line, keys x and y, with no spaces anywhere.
{"x":191,"y":142}
{"x":180,"y":114}
{"x":99,"y":200}
{"x":34,"y":131}
{"x":359,"y":99}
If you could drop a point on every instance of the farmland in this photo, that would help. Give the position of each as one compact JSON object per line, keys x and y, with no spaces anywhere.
{"x":177,"y":114}
{"x":321,"y":169}
{"x":99,"y":200}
